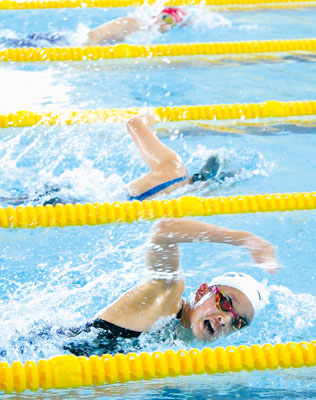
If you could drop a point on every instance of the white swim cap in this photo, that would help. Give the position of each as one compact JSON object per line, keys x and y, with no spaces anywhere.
{"x":255,"y":291}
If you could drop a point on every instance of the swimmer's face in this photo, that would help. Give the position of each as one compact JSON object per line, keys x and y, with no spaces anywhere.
{"x":209,"y":323}
{"x":162,"y":24}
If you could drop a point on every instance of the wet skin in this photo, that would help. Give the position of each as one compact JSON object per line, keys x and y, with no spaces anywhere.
{"x":163,"y":26}
{"x":208,"y":323}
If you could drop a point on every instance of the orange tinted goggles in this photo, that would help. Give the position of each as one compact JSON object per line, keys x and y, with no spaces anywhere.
{"x":224,"y":303}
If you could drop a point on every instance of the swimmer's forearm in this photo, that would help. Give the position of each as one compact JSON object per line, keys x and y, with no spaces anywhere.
{"x":174,"y":230}
{"x":113,"y":31}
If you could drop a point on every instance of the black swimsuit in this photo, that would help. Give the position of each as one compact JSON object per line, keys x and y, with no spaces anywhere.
{"x":96,"y":337}
{"x":112,"y":331}
{"x":107,"y":338}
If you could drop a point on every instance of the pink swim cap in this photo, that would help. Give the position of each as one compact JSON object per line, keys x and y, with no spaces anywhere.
{"x":176,"y":13}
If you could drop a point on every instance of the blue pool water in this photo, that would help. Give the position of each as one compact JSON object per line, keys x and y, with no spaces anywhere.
{"x":63,"y":276}
{"x":164,"y":82}
{"x":206,"y":25}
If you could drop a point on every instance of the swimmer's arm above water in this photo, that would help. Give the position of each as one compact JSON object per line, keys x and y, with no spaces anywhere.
{"x":140,"y":307}
{"x":159,"y":296}
{"x":155,"y":154}
{"x":169,"y":232}
{"x":114,"y":31}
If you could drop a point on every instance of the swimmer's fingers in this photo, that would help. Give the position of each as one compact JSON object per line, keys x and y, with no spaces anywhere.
{"x":272,"y":267}
{"x":263,"y":254}
{"x":149,"y":116}
{"x":261,"y":250}
{"x":156,"y":117}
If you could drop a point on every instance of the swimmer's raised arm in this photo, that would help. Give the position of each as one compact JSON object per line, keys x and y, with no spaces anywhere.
{"x":163,"y":252}
{"x":114,"y":31}
{"x":155,"y":154}
{"x":160,"y":295}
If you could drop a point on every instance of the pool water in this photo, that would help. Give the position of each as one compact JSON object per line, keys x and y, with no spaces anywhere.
{"x":206,"y":26}
{"x":164,"y":82}
{"x":63,"y":276}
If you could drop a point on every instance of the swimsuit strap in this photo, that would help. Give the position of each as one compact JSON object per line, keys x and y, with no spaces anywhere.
{"x":115,"y":330}
{"x":156,"y":189}
{"x":112,"y":330}
{"x":179,"y":313}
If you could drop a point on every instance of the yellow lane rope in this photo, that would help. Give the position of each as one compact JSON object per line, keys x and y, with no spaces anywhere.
{"x":20,"y":5}
{"x":154,"y":50}
{"x":68,"y":371}
{"x":267,"y":109}
{"x":97,"y":213}
{"x":262,"y":6}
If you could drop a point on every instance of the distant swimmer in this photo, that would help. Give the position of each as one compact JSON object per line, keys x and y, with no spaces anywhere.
{"x":112,"y":32}
{"x":115,"y":31}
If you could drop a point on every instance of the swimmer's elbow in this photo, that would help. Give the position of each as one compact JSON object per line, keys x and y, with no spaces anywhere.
{"x":162,"y":230}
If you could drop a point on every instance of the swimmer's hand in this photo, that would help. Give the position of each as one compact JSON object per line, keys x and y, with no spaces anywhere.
{"x":263,"y":253}
{"x":149,"y":118}
{"x":146,"y":118}
{"x":271,"y":266}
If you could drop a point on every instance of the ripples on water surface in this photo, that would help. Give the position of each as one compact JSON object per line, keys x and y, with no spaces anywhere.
{"x":63,"y":276}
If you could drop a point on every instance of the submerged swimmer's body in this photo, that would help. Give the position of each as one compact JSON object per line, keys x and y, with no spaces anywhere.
{"x":167,"y":170}
{"x":36,"y":40}
{"x":110,"y":33}
{"x":227,"y":304}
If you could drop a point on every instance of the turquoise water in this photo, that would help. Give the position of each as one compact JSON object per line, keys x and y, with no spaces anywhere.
{"x":164,"y":82}
{"x":63,"y":276}
{"x":206,"y":25}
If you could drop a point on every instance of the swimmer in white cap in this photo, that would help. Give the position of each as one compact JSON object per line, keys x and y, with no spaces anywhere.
{"x":227,"y":304}
{"x":115,"y":31}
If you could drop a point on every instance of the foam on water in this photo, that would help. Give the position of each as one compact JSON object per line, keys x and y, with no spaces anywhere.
{"x":80,"y":174}
{"x":55,"y":277}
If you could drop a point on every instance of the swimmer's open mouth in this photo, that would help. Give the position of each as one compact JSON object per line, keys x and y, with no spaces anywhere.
{"x":209,"y":327}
